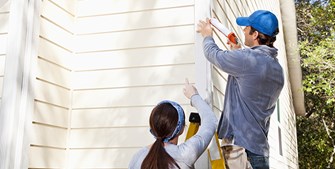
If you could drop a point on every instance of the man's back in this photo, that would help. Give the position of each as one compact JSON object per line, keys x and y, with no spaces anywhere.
{"x":254,"y":84}
{"x":262,"y":79}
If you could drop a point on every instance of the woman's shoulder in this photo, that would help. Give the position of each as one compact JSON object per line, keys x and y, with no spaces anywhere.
{"x":138,"y":157}
{"x":142,"y":152}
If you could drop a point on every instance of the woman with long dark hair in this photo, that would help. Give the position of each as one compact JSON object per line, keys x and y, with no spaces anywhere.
{"x":167,"y":122}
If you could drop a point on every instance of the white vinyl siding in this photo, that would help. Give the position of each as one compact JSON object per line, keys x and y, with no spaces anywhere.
{"x":289,"y":158}
{"x":101,"y":67}
{"x":128,"y":58}
{"x":4,"y":20}
{"x":50,"y":118}
{"x":97,"y":67}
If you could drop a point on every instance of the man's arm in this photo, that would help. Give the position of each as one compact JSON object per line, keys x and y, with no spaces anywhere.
{"x":231,"y":62}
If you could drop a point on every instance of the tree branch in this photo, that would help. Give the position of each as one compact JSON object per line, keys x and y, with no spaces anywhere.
{"x":331,"y":138}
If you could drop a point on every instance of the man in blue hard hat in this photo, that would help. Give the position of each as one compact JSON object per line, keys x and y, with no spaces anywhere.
{"x":254,"y":83}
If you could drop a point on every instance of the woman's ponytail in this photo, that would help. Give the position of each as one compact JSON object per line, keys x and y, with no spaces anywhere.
{"x":163,"y":121}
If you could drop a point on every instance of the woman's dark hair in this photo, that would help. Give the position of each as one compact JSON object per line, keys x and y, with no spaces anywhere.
{"x":264,"y":39}
{"x":163,"y":121}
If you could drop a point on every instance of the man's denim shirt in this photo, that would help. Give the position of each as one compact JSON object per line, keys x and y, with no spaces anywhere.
{"x":253,"y":87}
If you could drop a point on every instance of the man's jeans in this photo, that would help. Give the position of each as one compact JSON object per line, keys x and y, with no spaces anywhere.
{"x":258,"y":161}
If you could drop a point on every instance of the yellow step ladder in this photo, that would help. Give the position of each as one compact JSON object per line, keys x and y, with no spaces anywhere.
{"x":214,"y":153}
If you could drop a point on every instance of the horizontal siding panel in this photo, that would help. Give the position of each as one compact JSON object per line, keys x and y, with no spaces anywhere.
{"x":1,"y":86}
{"x":180,"y":54}
{"x":57,"y":15}
{"x":48,"y":93}
{"x":101,"y":158}
{"x":5,"y":7}
{"x":4,"y":20}
{"x":276,"y":163}
{"x":135,"y":20}
{"x":3,"y":43}
{"x":42,"y":157}
{"x":244,"y":11}
{"x":48,"y":136}
{"x":135,"y":39}
{"x":222,"y":17}
{"x":220,"y":40}
{"x":227,"y":17}
{"x":282,"y":59}
{"x":110,"y":137}
{"x":219,"y":80}
{"x":69,"y":6}
{"x":218,"y":99}
{"x":121,"y":97}
{"x":220,"y":72}
{"x":54,"y":53}
{"x":250,"y":7}
{"x":126,"y":117}
{"x":217,"y":112}
{"x":2,"y":64}
{"x":233,"y":10}
{"x":237,"y":8}
{"x":53,"y":73}
{"x":286,"y":104}
{"x":84,"y":8}
{"x":134,"y":77}
{"x":57,"y":35}
{"x":50,"y":114}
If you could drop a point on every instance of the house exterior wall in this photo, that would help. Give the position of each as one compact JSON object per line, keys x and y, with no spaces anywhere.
{"x":52,"y":86}
{"x":4,"y":20}
{"x":142,"y":50}
{"x":102,"y":66}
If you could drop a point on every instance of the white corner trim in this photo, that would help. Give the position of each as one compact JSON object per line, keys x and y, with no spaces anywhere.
{"x":203,"y":82}
{"x":17,"y":99}
{"x":202,"y":66}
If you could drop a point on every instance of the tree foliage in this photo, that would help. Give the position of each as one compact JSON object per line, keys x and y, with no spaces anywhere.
{"x":316,"y":36}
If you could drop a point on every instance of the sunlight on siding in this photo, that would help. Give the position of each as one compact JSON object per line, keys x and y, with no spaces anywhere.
{"x":103,"y":65}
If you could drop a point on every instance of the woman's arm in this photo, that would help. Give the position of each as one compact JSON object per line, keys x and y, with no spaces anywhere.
{"x":198,"y":143}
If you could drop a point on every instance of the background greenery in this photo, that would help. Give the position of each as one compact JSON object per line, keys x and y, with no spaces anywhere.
{"x":316,"y":38}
